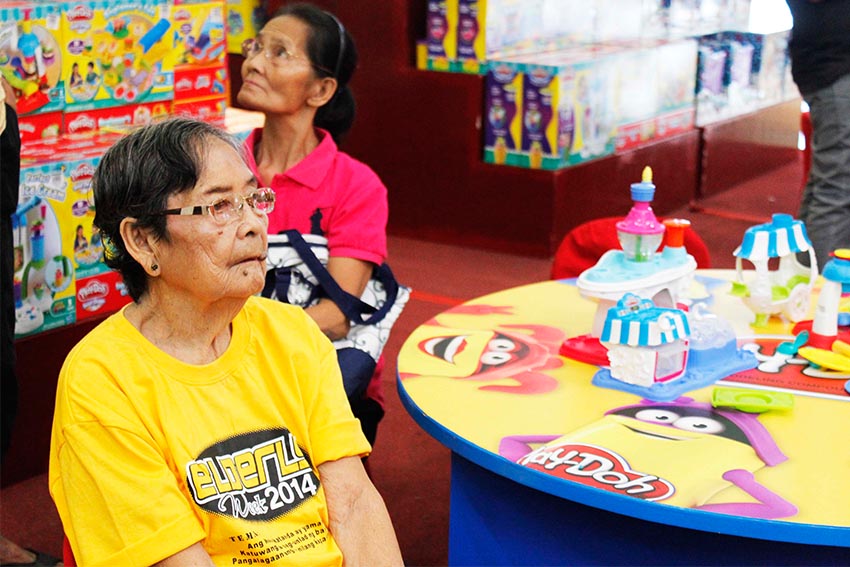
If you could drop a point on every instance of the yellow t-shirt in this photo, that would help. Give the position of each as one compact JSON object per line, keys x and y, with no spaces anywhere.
{"x":150,"y":455}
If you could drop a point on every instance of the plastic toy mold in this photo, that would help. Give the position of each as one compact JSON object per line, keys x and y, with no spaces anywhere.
{"x":751,"y":401}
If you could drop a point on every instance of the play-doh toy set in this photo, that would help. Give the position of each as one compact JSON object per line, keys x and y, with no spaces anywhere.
{"x":201,"y":66}
{"x":503,"y":114}
{"x":787,"y":288}
{"x":661,"y":353}
{"x":637,"y":267}
{"x":117,"y":53}
{"x":60,"y":276}
{"x":99,"y":289}
{"x":31,"y":62}
{"x":43,"y":271}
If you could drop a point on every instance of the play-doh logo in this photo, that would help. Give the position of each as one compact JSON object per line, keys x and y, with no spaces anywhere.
{"x":503,"y":73}
{"x":82,"y":123}
{"x":597,"y":467}
{"x":255,"y":476}
{"x":92,"y":296}
{"x":82,"y":171}
{"x":79,"y":12}
{"x":539,"y":77}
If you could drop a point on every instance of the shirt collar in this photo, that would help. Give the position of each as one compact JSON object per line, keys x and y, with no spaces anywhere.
{"x":310,"y":171}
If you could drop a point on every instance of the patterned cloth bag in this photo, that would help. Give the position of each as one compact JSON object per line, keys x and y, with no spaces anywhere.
{"x":296,"y":274}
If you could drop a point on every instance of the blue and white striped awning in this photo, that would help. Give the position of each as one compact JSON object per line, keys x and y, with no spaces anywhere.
{"x":638,"y":322}
{"x":780,"y":237}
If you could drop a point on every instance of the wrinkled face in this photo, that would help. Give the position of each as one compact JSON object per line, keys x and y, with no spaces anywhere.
{"x":208,"y":260}
{"x":279,"y":78}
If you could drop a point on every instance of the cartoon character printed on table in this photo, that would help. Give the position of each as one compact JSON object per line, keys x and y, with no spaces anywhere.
{"x":517,"y":352}
{"x":683,"y":453}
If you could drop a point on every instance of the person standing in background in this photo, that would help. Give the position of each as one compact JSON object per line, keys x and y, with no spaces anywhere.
{"x":10,"y":170}
{"x":820,"y":65}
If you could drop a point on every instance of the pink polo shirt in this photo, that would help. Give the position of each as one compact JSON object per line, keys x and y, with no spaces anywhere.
{"x":350,"y":197}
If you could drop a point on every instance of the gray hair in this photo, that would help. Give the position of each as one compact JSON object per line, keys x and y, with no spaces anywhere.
{"x":135,"y":178}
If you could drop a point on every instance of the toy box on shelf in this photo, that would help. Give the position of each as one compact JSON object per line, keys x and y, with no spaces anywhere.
{"x":44,"y":288}
{"x":243,"y":19}
{"x":210,"y":109}
{"x":99,"y":289}
{"x":655,"y":90}
{"x":31,"y":61}
{"x":117,"y":53}
{"x":115,"y":117}
{"x":564,"y":112}
{"x":588,"y":101}
{"x":60,"y":277}
{"x":201,"y":65}
{"x":740,"y":72}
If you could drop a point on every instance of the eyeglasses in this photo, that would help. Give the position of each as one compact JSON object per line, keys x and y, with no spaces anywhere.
{"x":224,"y":210}
{"x":276,"y":53}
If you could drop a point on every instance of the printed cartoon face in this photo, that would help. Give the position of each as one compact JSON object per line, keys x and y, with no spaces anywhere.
{"x":679,"y":452}
{"x":516,"y":352}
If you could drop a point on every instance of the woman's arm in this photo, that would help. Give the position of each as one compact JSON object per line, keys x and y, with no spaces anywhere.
{"x":352,"y":275}
{"x":359,"y":521}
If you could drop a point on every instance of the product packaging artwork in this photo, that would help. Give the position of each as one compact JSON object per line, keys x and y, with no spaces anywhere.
{"x":44,"y":289}
{"x":569,"y":107}
{"x":31,"y":62}
{"x":243,"y":19}
{"x":117,"y":53}
{"x":503,"y":113}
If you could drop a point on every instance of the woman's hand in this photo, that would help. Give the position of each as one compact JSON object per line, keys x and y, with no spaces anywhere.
{"x":352,"y":276}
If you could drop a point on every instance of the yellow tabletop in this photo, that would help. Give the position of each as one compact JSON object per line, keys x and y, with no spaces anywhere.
{"x":489,"y":373}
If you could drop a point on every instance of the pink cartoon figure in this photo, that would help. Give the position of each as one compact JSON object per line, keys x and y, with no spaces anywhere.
{"x":683,"y":453}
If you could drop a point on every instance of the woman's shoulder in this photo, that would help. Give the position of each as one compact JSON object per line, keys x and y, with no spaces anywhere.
{"x":268,"y":316}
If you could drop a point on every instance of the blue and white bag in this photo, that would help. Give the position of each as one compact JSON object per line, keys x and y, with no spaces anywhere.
{"x":297,"y":274}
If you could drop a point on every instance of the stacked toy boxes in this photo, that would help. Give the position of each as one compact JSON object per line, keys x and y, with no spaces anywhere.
{"x":118,"y":63}
{"x":31,"y":61}
{"x":740,"y":72}
{"x":655,"y":90}
{"x":200,"y":74}
{"x":561,"y":108}
{"x":59,"y":276}
{"x":551,"y":110}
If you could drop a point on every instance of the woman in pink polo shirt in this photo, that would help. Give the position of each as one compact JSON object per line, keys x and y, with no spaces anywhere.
{"x":296,"y":72}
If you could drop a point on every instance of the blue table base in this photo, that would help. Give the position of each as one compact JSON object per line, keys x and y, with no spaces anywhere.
{"x":496,"y":521}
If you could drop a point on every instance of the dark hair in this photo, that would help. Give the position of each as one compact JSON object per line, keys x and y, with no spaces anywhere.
{"x":135,"y":178}
{"x":329,"y":46}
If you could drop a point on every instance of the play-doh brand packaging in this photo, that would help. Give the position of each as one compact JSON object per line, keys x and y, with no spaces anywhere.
{"x":40,"y":125}
{"x":30,"y":55}
{"x":243,"y":19}
{"x":117,"y":53}
{"x":192,"y":82}
{"x":568,"y":107}
{"x":503,"y":113}
{"x":441,"y":30}
{"x":99,"y":289}
{"x":199,"y":34}
{"x":118,"y":118}
{"x":209,"y":109}
{"x":471,"y":23}
{"x":44,"y":287}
